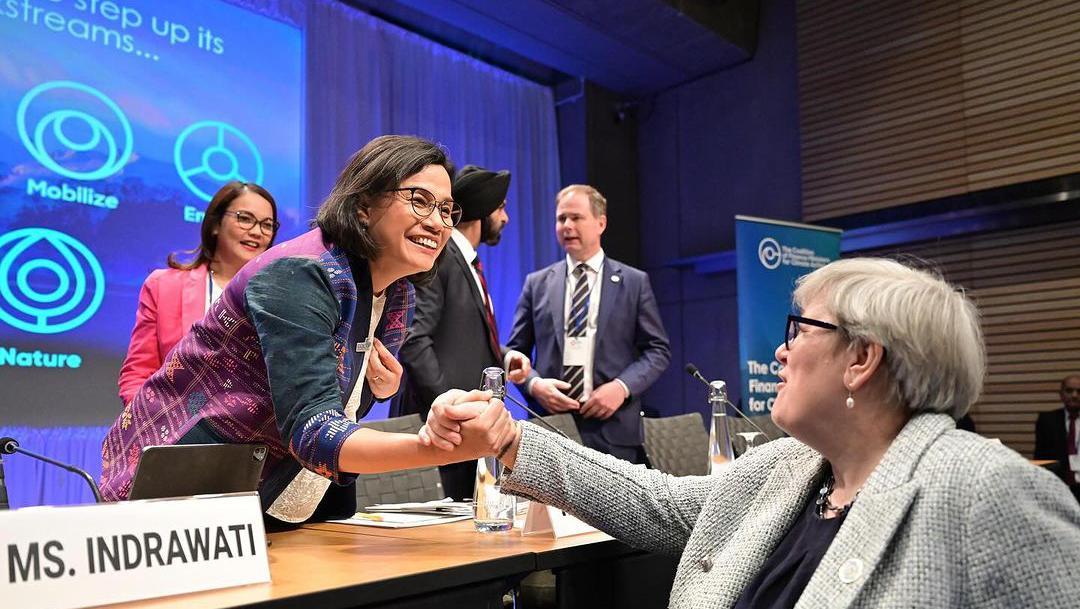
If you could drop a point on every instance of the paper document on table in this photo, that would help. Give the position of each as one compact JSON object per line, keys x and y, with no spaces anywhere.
{"x":443,"y":507}
{"x":390,"y":520}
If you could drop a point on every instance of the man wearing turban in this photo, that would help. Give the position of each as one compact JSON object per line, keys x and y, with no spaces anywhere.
{"x":454,"y":334}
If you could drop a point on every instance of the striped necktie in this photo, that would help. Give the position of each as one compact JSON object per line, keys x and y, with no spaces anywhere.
{"x":575,"y":326}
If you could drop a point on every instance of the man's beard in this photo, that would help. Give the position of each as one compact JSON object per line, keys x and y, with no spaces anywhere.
{"x":489,"y":234}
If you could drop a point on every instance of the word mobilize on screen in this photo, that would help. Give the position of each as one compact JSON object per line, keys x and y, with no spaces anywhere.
{"x":71,"y":194}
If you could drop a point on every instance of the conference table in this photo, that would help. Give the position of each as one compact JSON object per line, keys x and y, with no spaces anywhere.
{"x":327,"y":566}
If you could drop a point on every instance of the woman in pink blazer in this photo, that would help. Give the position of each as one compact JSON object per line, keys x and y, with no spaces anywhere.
{"x":240,"y":223}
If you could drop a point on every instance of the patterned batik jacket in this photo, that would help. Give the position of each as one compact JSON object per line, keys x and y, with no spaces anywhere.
{"x":273,"y":363}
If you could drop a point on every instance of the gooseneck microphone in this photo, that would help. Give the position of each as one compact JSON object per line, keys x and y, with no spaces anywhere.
{"x":693,"y":371}
{"x":10,"y":446}
{"x":498,"y":391}
{"x":3,"y":487}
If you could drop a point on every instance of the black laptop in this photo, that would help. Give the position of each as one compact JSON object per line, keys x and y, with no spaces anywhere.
{"x":197,"y":469}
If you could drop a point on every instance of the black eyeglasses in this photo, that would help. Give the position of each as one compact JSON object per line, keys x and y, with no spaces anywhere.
{"x":424,"y":204}
{"x":793,"y":328}
{"x":268,"y":226}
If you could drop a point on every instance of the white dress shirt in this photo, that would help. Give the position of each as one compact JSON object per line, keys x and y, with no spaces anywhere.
{"x":469,"y":253}
{"x":594,"y":267}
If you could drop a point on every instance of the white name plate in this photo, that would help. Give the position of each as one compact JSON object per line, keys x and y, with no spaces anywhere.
{"x":83,"y":556}
{"x":546,"y":520}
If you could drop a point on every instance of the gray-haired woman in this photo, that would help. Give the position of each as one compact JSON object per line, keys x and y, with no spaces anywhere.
{"x":876,"y":501}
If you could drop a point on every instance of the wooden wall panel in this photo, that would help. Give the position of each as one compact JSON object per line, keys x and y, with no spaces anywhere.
{"x":1027,"y":286}
{"x":909,"y":101}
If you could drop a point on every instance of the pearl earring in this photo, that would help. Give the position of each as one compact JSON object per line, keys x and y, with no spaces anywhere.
{"x":850,"y":402}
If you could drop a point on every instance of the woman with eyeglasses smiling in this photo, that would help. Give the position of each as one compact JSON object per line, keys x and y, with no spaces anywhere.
{"x":876,"y":500}
{"x":240,"y":223}
{"x":303,"y":340}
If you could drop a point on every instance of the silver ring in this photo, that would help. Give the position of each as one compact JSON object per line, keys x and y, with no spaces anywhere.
{"x":377,"y":378}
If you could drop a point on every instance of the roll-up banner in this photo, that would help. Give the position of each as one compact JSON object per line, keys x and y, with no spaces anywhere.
{"x":770,"y":256}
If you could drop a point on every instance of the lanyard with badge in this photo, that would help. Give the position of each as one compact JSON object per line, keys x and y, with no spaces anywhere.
{"x":211,"y":287}
{"x":577,"y":350}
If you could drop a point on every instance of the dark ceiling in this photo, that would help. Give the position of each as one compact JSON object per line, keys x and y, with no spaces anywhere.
{"x":632,"y":47}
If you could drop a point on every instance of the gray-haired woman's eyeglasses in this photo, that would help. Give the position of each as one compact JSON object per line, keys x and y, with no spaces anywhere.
{"x":793,"y":329}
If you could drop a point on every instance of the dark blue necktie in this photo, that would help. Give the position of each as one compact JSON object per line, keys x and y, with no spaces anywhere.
{"x":575,"y":327}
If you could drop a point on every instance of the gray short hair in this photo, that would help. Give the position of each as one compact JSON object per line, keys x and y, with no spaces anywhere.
{"x":935,"y":356}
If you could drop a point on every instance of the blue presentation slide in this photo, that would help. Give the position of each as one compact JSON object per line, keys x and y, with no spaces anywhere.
{"x":119,"y":119}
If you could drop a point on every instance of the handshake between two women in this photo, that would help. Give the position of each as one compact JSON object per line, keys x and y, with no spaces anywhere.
{"x":471,"y":424}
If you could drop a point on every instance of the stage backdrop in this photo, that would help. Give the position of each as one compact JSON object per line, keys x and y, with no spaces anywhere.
{"x":118,"y":123}
{"x":770,"y":256}
{"x":202,"y":86}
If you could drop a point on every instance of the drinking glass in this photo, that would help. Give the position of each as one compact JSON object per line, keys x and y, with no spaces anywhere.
{"x":492,"y":510}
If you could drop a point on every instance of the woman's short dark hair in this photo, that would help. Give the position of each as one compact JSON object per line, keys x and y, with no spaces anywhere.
{"x":215,"y":212}
{"x":382,"y":164}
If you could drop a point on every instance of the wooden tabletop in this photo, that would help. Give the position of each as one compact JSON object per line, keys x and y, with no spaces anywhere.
{"x":550,"y":553}
{"x":337,"y":565}
{"x":1043,"y":462}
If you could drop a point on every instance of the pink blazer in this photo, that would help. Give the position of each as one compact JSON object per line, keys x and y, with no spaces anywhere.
{"x":169,"y":302}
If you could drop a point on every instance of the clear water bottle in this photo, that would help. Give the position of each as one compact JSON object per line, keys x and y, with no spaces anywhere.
{"x":720,"y":449}
{"x":492,"y":510}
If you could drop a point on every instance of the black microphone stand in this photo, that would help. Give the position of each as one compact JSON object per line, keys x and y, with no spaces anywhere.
{"x":9,"y":446}
{"x":693,"y":371}
{"x":3,"y":488}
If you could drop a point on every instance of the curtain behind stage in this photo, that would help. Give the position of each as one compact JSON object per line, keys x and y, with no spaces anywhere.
{"x":366,"y":78}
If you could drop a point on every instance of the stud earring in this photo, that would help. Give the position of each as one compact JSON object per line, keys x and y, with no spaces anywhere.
{"x":850,"y":401}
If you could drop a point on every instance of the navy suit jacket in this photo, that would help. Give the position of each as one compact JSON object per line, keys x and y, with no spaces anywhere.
{"x":1051,"y":441}
{"x":630,"y":341}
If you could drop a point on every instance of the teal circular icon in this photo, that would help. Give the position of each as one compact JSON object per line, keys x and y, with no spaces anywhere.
{"x":209,"y":154}
{"x":74,"y":130}
{"x":49,"y":281}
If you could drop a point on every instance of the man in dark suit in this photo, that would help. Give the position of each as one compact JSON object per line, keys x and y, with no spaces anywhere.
{"x":1057,"y":434}
{"x":596,"y":330}
{"x":454,"y":335}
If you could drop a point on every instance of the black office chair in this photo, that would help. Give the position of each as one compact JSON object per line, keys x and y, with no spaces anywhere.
{"x":677,"y":445}
{"x":421,"y":484}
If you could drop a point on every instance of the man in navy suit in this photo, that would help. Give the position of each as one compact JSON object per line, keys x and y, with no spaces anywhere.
{"x":1057,"y":434}
{"x":596,"y":331}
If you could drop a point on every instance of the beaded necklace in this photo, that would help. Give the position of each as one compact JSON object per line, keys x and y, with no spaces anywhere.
{"x":822,"y":503}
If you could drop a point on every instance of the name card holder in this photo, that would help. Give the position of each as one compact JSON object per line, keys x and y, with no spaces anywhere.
{"x":546,"y":520}
{"x":89,"y":555}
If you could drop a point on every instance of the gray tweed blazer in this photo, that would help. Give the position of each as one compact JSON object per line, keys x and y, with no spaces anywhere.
{"x":947,"y":519}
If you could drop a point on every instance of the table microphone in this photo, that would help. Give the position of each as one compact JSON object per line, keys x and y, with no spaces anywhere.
{"x":693,"y":371}
{"x":3,"y":488}
{"x":498,"y":391}
{"x":10,"y":446}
